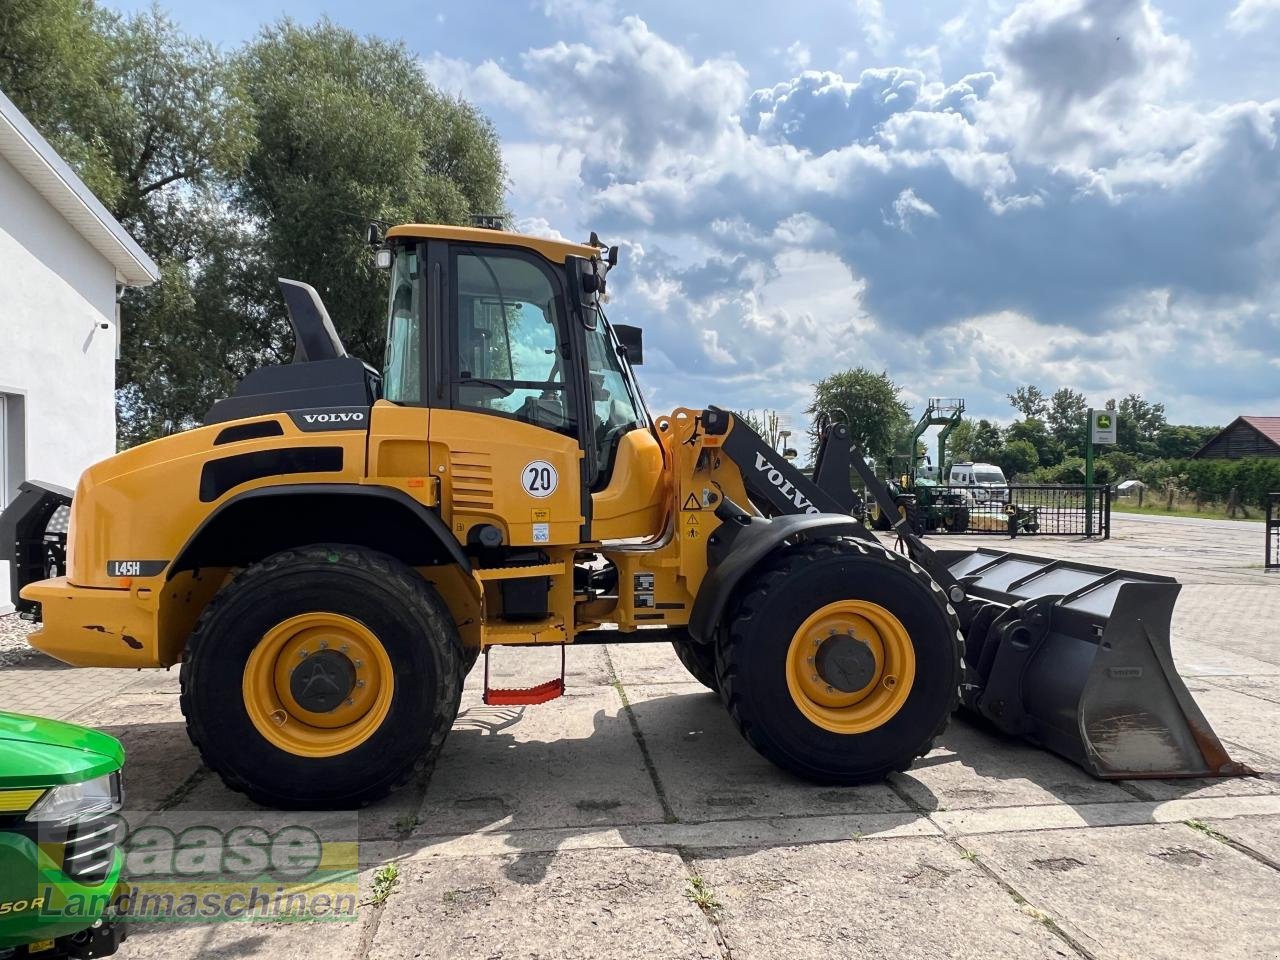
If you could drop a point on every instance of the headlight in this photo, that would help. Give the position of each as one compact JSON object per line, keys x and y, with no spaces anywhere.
{"x":73,"y":802}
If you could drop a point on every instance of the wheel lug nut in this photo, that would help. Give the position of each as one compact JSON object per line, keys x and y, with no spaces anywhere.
{"x":346,"y":647}
{"x":324,"y":644}
{"x":360,"y":683}
{"x":359,"y":664}
{"x":302,"y":654}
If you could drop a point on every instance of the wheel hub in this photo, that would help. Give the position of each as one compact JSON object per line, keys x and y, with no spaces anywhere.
{"x":845,"y":663}
{"x":323,"y":681}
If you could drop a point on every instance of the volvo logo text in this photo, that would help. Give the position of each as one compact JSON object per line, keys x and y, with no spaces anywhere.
{"x":785,"y":486}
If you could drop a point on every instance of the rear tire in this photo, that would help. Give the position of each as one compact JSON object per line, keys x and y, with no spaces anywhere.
{"x":699,"y":659}
{"x":387,"y":640}
{"x":754,"y":662}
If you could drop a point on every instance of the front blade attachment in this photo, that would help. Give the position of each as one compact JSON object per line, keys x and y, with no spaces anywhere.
{"x":1076,"y":658}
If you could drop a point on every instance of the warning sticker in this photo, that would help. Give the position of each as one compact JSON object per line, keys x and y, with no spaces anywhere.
{"x":692,"y":525}
{"x":540,"y":516}
{"x":692,"y":502}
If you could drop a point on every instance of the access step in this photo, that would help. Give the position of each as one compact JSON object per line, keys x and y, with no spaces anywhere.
{"x":522,"y":696}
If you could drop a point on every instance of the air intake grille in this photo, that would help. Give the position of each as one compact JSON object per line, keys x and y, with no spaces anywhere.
{"x":472,"y":480}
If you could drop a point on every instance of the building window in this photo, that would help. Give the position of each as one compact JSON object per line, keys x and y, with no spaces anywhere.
{"x":13,"y":446}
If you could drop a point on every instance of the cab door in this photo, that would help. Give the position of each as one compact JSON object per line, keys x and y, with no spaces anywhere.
{"x":505,"y":421}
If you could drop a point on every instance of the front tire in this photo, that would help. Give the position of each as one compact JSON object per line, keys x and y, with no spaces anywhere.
{"x":699,"y":659}
{"x":876,"y":698}
{"x":322,"y":677}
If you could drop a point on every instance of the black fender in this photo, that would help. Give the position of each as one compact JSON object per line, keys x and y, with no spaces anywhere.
{"x":33,"y":552}
{"x":423,"y":538}
{"x":753,"y":539}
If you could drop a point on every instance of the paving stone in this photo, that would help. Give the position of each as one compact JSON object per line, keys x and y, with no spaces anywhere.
{"x":974,"y":766}
{"x":710,"y":773}
{"x":591,"y":905}
{"x":45,"y":687}
{"x":1238,"y":718}
{"x":571,"y":762}
{"x":645,"y":663}
{"x":586,"y":668}
{"x":914,"y":899}
{"x":1143,"y":893}
{"x":242,"y":940}
{"x":1259,"y":833}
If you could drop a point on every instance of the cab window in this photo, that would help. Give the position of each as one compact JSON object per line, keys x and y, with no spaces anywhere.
{"x":402,"y":364}
{"x":509,"y":348}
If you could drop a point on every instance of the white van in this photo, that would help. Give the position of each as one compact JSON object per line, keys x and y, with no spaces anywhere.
{"x":985,"y":481}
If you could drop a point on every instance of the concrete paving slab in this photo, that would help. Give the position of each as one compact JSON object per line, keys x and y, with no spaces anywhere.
{"x":714,"y":834}
{"x":974,"y":766}
{"x":1062,"y":816}
{"x":1199,"y":658}
{"x":1261,"y":834}
{"x":904,"y":899}
{"x":572,"y":762}
{"x":45,"y":687}
{"x":1263,"y":687}
{"x":1145,"y":893}
{"x":593,"y":905}
{"x":710,"y":773}
{"x":244,"y":940}
{"x":646,"y":663}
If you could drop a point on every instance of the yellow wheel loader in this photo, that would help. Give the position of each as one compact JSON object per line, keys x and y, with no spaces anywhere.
{"x":330,"y":553}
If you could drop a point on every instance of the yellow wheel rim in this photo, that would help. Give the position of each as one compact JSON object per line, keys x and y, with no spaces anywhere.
{"x":337,"y":654}
{"x":889,"y":671}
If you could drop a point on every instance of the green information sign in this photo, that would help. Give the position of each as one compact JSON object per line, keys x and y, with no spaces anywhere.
{"x":1103,"y":426}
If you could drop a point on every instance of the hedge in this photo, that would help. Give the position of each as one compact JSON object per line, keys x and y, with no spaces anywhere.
{"x":1214,"y":480}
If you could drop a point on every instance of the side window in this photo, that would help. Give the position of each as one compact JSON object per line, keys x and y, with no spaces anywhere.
{"x":402,"y":365}
{"x":508,"y":341}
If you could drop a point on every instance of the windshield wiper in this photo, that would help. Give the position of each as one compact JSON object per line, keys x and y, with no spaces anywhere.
{"x":502,"y":388}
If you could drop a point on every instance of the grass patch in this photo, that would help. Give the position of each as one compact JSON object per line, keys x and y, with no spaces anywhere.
{"x":1206,"y":512}
{"x":384,"y":881}
{"x":406,"y":823}
{"x":1207,"y":830}
{"x":700,"y":892}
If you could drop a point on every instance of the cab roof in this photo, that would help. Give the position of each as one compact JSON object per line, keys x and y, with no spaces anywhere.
{"x":554,"y":250}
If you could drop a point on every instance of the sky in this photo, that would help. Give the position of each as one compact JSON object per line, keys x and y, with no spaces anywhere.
{"x":968,"y":194}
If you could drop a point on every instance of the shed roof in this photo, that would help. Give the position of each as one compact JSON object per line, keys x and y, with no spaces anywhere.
{"x":1269,"y":427}
{"x":51,"y":177}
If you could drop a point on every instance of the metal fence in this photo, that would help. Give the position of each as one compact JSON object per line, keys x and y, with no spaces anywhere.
{"x":1016,"y":510}
{"x":1273,"y":532}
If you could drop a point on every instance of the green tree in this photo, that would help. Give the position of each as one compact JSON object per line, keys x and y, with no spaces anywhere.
{"x":1048,"y":450}
{"x":987,"y":442}
{"x":1066,"y":418}
{"x":1029,"y":401}
{"x":1179,"y":441}
{"x":1138,"y":424}
{"x":870,"y":403}
{"x":54,"y":57}
{"x":959,"y":443}
{"x":349,"y":130}
{"x":1016,"y":458}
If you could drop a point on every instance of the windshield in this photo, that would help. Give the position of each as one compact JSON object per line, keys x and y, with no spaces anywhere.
{"x":402,"y":363}
{"x":988,"y":476}
{"x":615,"y":399}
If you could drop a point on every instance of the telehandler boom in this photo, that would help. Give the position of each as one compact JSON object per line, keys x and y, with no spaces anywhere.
{"x":329,"y":554}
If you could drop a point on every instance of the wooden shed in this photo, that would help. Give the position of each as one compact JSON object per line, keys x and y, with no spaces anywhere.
{"x":1243,"y":437}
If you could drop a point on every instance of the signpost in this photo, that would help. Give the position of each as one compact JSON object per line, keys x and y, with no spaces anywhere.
{"x":1102,"y":429}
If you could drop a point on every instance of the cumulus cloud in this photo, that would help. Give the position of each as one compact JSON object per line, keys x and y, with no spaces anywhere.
{"x":1069,"y":214}
{"x":1249,"y":15}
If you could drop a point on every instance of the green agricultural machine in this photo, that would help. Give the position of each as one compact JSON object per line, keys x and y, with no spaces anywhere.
{"x":60,"y":859}
{"x":921,"y":495}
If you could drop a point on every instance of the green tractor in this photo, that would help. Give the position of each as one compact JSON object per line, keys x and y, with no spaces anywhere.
{"x":919,"y":494}
{"x":60,"y":858}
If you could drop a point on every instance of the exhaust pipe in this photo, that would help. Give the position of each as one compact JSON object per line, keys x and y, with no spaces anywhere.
{"x":1077,"y":659}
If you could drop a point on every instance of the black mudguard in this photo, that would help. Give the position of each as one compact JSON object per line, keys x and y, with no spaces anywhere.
{"x":34,"y":552}
{"x":753,"y":538}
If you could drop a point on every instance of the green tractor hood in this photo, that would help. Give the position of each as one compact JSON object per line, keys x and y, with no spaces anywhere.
{"x":44,"y":753}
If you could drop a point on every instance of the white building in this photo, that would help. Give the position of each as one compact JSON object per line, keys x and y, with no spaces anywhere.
{"x":63,"y":261}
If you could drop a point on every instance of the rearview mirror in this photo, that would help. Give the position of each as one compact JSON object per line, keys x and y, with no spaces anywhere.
{"x":631,"y":340}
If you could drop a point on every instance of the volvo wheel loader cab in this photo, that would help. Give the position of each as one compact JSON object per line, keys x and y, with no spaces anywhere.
{"x":331,"y":551}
